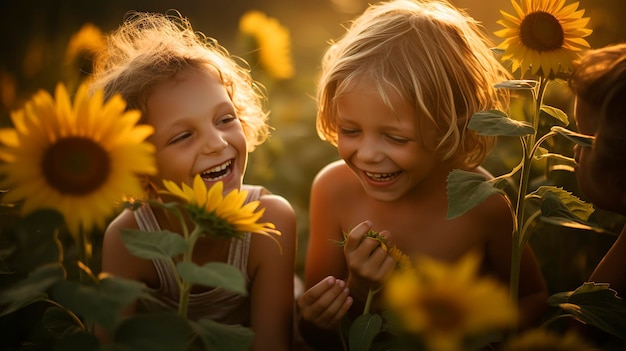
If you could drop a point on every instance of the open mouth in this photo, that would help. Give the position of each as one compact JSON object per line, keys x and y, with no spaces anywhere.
{"x":382,"y":177}
{"x":218,"y":172}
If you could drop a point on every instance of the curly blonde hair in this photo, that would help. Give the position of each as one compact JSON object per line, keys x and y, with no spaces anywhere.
{"x":150,"y":48}
{"x":432,"y":53}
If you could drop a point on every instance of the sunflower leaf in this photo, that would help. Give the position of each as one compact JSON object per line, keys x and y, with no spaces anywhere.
{"x":555,"y":113}
{"x":517,"y":84}
{"x":153,"y":245}
{"x":158,"y":331}
{"x":363,"y":331}
{"x":497,"y":123}
{"x":214,"y":274}
{"x":101,"y":303}
{"x":576,"y":138}
{"x":33,"y":288}
{"x":595,"y":304}
{"x":570,"y":203}
{"x":467,"y":190}
{"x":218,"y":336}
{"x":555,"y":212}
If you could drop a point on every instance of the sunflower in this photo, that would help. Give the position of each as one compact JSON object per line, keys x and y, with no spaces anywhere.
{"x":445,"y":304}
{"x":88,"y":39}
{"x":541,"y":339}
{"x":221,"y":215}
{"x":544,"y":37}
{"x":273,"y":43}
{"x":76,"y":159}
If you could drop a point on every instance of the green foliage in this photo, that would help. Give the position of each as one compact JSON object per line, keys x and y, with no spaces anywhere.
{"x":594,"y":304}
{"x":61,"y":300}
{"x":216,"y":274}
{"x":363,"y":331}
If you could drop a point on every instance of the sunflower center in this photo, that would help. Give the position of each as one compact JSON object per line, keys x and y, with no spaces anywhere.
{"x":76,"y":166}
{"x":541,"y":31}
{"x":443,"y":314}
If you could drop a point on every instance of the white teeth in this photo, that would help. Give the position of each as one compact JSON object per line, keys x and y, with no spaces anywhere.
{"x":218,"y":168}
{"x":216,"y":173}
{"x":381,"y":177}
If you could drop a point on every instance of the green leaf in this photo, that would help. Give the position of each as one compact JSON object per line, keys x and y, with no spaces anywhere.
{"x":33,"y":288}
{"x":159,"y":331}
{"x":101,"y":303}
{"x":363,"y":331}
{"x":595,"y":304}
{"x":573,"y":204}
{"x":553,"y":211}
{"x":466,"y":190}
{"x":496,"y":123}
{"x":555,"y":113}
{"x":218,"y":336}
{"x":214,"y":274}
{"x":516,"y":84}
{"x":153,"y":245}
{"x":577,"y":138}
{"x":59,"y":323}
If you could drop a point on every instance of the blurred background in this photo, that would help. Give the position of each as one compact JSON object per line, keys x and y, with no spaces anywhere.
{"x":41,"y":46}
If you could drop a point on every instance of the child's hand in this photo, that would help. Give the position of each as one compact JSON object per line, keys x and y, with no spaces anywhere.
{"x":325,"y":304}
{"x":369,"y":264}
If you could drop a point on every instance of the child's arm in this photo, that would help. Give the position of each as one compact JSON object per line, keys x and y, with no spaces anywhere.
{"x":118,"y":261}
{"x":272,"y":295}
{"x":325,"y":261}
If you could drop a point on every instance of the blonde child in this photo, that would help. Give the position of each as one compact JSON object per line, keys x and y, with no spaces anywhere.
{"x":208,"y":115}
{"x":395,"y":96}
{"x":599,"y":84}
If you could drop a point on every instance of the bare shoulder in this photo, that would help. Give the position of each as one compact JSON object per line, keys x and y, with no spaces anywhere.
{"x":334,"y":178}
{"x":113,"y":233}
{"x":279,"y":211}
{"x":333,"y":173}
{"x":275,"y":204}
{"x":116,"y":259}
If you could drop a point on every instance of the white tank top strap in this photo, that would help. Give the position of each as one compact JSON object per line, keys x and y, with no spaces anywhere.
{"x":146,"y":220}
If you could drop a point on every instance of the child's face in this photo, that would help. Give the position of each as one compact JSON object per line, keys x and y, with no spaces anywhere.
{"x":592,"y":181}
{"x":197,"y":131}
{"x":382,"y":147}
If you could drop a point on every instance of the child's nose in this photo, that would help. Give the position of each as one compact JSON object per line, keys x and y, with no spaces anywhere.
{"x":369,"y":151}
{"x":213,"y":142}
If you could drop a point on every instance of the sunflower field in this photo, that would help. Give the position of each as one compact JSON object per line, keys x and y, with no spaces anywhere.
{"x":48,"y":47}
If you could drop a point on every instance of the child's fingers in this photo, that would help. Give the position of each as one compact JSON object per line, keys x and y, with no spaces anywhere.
{"x":355,"y":237}
{"x":314,"y":293}
{"x":325,"y":303}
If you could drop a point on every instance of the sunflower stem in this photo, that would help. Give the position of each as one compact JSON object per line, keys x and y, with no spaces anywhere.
{"x":368,"y":301}
{"x":84,"y":271}
{"x":529,"y":148}
{"x":187,"y":256}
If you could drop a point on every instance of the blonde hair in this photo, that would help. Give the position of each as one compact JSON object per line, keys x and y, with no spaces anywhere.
{"x":150,"y":48}
{"x":434,"y":55}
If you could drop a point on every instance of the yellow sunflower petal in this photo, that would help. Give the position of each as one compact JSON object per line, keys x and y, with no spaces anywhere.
{"x":548,"y":36}
{"x":71,"y":163}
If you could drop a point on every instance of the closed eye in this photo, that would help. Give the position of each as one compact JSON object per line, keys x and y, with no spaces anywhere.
{"x":227,"y":118}
{"x":348,"y":132}
{"x":179,"y":138}
{"x":397,"y":139}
